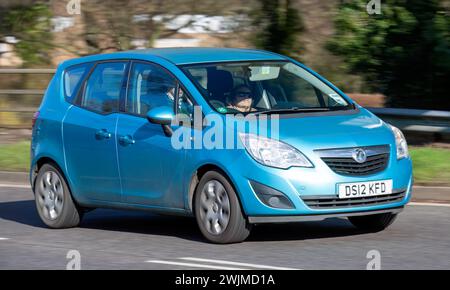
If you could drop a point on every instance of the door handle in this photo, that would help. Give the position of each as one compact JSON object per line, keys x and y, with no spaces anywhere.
{"x":126,"y":140}
{"x":102,"y":134}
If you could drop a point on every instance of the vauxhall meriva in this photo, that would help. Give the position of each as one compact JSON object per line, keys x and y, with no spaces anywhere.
{"x":232,"y":137}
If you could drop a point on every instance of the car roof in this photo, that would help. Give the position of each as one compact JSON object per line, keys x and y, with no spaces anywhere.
{"x":182,"y":56}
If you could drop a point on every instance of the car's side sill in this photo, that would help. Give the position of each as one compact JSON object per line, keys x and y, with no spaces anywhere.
{"x":316,"y":217}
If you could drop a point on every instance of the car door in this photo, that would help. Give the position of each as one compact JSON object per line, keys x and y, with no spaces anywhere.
{"x":150,"y":168}
{"x":89,"y":130}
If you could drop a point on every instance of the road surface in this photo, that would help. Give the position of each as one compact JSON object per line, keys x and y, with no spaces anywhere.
{"x":111,"y":239}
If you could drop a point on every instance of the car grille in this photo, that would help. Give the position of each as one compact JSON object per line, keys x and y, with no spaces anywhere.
{"x":348,"y":166}
{"x":332,"y":201}
{"x":342,"y":162}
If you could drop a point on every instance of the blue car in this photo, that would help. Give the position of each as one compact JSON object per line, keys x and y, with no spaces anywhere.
{"x":232,"y":137}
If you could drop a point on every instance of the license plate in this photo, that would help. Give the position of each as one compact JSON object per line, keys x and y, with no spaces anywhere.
{"x":363,"y":189}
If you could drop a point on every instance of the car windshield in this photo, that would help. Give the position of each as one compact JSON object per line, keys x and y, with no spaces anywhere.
{"x":263,"y":87}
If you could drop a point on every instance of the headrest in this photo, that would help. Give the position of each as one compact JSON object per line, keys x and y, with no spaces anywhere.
{"x":219,"y":83}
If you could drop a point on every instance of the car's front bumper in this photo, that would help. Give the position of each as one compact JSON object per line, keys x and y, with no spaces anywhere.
{"x":300,"y":184}
{"x":317,"y":217}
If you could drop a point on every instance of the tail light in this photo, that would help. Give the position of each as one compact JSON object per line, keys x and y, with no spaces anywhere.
{"x":35,"y":116}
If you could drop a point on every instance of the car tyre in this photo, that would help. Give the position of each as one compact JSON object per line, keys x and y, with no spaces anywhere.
{"x":54,"y":202}
{"x":218,"y":211}
{"x":373,"y":223}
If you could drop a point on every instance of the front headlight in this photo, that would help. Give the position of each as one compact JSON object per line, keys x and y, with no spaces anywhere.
{"x":273,"y":153}
{"x":400,"y":143}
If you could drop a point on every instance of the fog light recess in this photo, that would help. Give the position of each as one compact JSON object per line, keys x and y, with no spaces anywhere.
{"x":271,"y":197}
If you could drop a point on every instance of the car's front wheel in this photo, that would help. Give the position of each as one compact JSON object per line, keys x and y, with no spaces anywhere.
{"x":54,"y":202}
{"x":373,"y":223}
{"x":218,"y":211}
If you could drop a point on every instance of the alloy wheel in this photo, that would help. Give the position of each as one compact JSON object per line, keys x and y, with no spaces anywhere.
{"x":50,"y":195}
{"x":215,"y":207}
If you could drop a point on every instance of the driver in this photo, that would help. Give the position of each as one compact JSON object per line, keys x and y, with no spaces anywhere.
{"x":241,"y":99}
{"x":171,"y":93}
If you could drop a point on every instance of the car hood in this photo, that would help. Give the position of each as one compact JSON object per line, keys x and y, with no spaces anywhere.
{"x":331,"y":130}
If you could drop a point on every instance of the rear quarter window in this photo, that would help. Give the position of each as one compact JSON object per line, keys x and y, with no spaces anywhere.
{"x":73,"y":77}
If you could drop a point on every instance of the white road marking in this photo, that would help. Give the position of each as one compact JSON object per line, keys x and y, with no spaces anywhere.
{"x":14,"y":185}
{"x":430,"y":204}
{"x":193,"y":265}
{"x":3,"y":239}
{"x":236,"y":264}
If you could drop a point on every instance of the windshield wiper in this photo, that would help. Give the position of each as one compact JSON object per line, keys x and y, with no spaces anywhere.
{"x":293,"y":110}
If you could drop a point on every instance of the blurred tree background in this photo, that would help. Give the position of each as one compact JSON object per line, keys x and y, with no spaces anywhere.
{"x":277,"y":27}
{"x":31,"y":24}
{"x":403,"y":53}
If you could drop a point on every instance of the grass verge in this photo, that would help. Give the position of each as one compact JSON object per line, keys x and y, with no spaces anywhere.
{"x":431,"y":165}
{"x":15,"y":157}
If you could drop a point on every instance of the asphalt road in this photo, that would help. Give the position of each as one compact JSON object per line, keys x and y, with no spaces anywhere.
{"x":109,"y":239}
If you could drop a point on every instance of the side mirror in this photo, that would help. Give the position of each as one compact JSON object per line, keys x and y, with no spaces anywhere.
{"x":160,"y":115}
{"x":163,"y":116}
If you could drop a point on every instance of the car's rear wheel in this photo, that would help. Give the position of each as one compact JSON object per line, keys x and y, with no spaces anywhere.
{"x":218,"y":211}
{"x":373,"y":223}
{"x":54,"y":202}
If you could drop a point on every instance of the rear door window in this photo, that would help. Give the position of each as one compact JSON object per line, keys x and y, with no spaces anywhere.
{"x":104,"y":86}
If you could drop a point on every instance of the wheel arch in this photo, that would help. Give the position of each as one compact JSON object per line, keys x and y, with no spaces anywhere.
{"x":41,"y":161}
{"x":198,"y":174}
